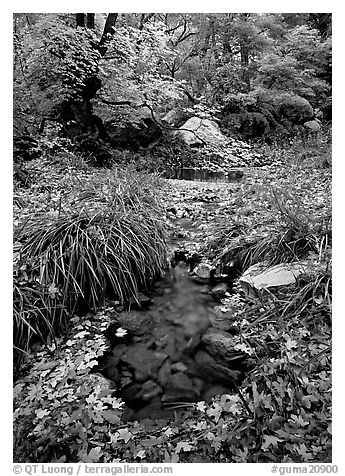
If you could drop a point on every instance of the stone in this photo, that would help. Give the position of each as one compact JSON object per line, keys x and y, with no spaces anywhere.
{"x":259,"y":277}
{"x":295,"y":109}
{"x":179,"y":381}
{"x":143,"y":361}
{"x":216,"y":373}
{"x":148,"y":391}
{"x":164,"y":373}
{"x":202,"y":357}
{"x":201,"y":132}
{"x":221,"y":320}
{"x":136,"y":322}
{"x":203,"y":270}
{"x":130,"y":392}
{"x":180,"y":395}
{"x":219,"y":291}
{"x":219,"y":344}
{"x":312,"y":126}
{"x":142,"y":302}
{"x":198,"y":384}
{"x":173,"y":117}
{"x":138,"y":132}
{"x":178,"y":367}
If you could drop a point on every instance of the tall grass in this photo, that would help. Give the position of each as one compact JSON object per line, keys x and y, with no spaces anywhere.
{"x":296,"y":235}
{"x":106,"y":238}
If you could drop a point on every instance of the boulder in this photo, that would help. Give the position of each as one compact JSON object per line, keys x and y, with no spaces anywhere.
{"x":295,"y":109}
{"x":197,"y":132}
{"x":219,"y":291}
{"x":217,"y":342}
{"x":141,"y":131}
{"x":173,"y":117}
{"x":220,"y":344}
{"x":136,"y":322}
{"x":221,"y":320}
{"x":256,"y":279}
{"x":312,"y":126}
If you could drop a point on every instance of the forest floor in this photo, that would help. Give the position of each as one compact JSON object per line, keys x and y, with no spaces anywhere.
{"x":287,"y":415}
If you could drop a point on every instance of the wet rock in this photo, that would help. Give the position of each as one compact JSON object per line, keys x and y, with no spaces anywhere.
{"x":202,"y":357}
{"x":148,"y":391}
{"x":217,"y":341}
{"x":203,"y":270}
{"x":136,"y":322}
{"x":173,"y":350}
{"x":180,"y":381}
{"x":216,"y":373}
{"x":221,"y":320}
{"x":164,"y":373}
{"x":219,"y":291}
{"x":141,"y":375}
{"x":220,"y":344}
{"x":129,"y":393}
{"x":142,"y":302}
{"x":179,"y":395}
{"x":153,"y":411}
{"x":143,"y":361}
{"x":109,"y":369}
{"x":198,"y":385}
{"x":178,"y":367}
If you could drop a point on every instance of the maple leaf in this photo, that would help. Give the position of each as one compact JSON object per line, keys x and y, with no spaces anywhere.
{"x":290,"y":344}
{"x":124,"y":435}
{"x":215,"y":412}
{"x":183,"y":446}
{"x":169,"y":432}
{"x":42,"y":413}
{"x":141,"y":454}
{"x":201,"y":406}
{"x":268,"y":441}
{"x":94,"y":454}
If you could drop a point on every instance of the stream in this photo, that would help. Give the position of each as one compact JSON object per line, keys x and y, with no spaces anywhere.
{"x":173,"y":348}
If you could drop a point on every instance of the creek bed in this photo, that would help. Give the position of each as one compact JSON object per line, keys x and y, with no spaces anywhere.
{"x":176,"y":350}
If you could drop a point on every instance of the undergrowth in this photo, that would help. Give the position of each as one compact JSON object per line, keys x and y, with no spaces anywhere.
{"x":81,"y":236}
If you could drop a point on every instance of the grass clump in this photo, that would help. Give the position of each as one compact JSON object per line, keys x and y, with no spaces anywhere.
{"x":294,"y":235}
{"x":91,"y":236}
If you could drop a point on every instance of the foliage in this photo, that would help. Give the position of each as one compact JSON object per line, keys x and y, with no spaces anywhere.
{"x":132,"y":72}
{"x":88,"y":236}
{"x":52,"y":64}
{"x":60,"y":404}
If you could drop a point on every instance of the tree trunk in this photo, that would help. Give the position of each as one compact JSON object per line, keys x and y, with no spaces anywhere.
{"x":80,"y":19}
{"x":108,"y":30}
{"x":90,"y":21}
